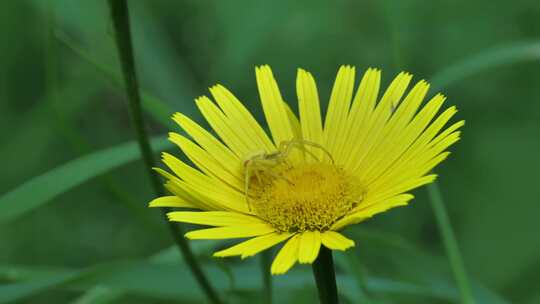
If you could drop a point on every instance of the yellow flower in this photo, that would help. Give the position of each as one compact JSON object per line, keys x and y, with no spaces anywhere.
{"x":311,"y":178}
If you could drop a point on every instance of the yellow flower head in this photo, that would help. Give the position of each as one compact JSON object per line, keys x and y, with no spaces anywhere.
{"x":311,"y":178}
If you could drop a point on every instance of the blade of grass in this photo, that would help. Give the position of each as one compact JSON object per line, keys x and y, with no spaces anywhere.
{"x":450,"y":243}
{"x":491,"y":58}
{"x":10,"y":293}
{"x":108,"y":275}
{"x":158,"y":281}
{"x":508,"y":54}
{"x":120,"y":17}
{"x":168,"y":256}
{"x":445,"y":227}
{"x":99,"y":295}
{"x":139,"y":277}
{"x":43,"y":188}
{"x":69,"y":131}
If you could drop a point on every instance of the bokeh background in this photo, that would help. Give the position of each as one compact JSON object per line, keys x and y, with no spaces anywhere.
{"x":81,"y":233}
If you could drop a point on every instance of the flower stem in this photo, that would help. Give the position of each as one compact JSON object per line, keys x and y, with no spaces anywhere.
{"x":450,"y":244}
{"x":325,"y":277}
{"x":120,"y":17}
{"x":266,"y":261}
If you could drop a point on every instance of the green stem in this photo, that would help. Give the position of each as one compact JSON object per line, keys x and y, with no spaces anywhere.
{"x":266,"y":261}
{"x":120,"y":17}
{"x":325,"y":277}
{"x":67,"y":130}
{"x":450,"y":244}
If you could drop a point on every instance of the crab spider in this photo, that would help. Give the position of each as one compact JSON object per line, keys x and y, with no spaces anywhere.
{"x":262,"y":161}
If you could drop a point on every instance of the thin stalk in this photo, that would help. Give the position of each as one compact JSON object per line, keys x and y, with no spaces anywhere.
{"x":325,"y":277}
{"x":443,"y":222}
{"x":120,"y":17}
{"x":67,"y":130}
{"x":450,"y":244}
{"x":266,"y":261}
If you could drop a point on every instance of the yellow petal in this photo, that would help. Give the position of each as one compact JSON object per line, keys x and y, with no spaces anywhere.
{"x":406,"y":110}
{"x":293,"y":120}
{"x":361,"y":109}
{"x":336,"y":241}
{"x":273,"y":105}
{"x":421,"y":164}
{"x":180,"y":189}
{"x":447,"y":132}
{"x":390,"y":99}
{"x":230,"y":232}
{"x":309,"y":107}
{"x":310,"y":243}
{"x":207,"y":163}
{"x":379,"y":117}
{"x":204,"y":202}
{"x":422,"y":143}
{"x":397,"y":141}
{"x":286,"y":257}
{"x":428,"y":166}
{"x":211,"y":144}
{"x":338,"y":110}
{"x":407,"y":185}
{"x":433,"y":152}
{"x":246,"y":125}
{"x":221,"y":195}
{"x":408,"y":160}
{"x":369,"y":209}
{"x":224,"y":127}
{"x":254,"y":245}
{"x":171,"y":201}
{"x":213,"y":218}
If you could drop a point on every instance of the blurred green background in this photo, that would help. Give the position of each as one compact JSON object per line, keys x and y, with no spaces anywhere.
{"x":60,"y":100}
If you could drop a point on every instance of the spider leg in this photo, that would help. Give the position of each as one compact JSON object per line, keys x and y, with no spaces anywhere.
{"x":316,"y":145}
{"x":286,"y":146}
{"x":259,"y":179}
{"x":250,"y":172}
{"x":284,"y":149}
{"x":272,"y":163}
{"x":247,"y":178}
{"x":300,"y":144}
{"x":278,"y":176}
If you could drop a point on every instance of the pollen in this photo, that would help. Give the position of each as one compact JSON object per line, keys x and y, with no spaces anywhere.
{"x":304,"y":197}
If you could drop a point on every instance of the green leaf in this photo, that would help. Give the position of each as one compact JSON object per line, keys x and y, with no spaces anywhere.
{"x":34,"y":281}
{"x":14,"y":292}
{"x":508,"y":54}
{"x":158,"y":276}
{"x":168,"y":256}
{"x":131,"y":277}
{"x":98,"y":295}
{"x":162,"y":281}
{"x":41,"y":189}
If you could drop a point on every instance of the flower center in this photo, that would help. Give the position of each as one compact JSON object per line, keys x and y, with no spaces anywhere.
{"x":303,"y":197}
